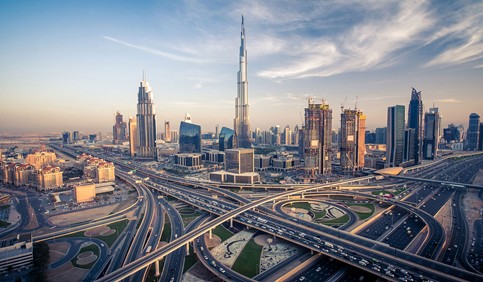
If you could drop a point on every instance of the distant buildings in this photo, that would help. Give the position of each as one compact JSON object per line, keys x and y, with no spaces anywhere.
{"x":381,"y":135}
{"x":188,"y":161}
{"x":105,"y":172}
{"x":190,"y":137}
{"x":119,"y":130}
{"x":453,"y":133}
{"x":317,"y":139}
{"x":415,"y":127}
{"x":352,"y":140}
{"x":473,"y":131}
{"x":242,"y":111}
{"x":167,"y":132}
{"x":146,"y":122}
{"x":395,"y":136}
{"x":66,"y":137}
{"x":432,"y":128}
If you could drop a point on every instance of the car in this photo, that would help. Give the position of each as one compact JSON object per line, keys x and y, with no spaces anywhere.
{"x":318,"y":269}
{"x":302,"y":278}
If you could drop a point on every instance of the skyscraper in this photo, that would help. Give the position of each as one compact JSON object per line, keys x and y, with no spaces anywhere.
{"x":473,"y":131}
{"x":119,"y":130}
{"x":167,"y":132}
{"x":189,"y":137}
{"x":242,"y":114}
{"x":133,"y":136}
{"x":432,"y":125}
{"x":318,"y":139}
{"x":352,"y":140}
{"x":395,"y":135}
{"x":415,"y":121}
{"x":146,"y":122}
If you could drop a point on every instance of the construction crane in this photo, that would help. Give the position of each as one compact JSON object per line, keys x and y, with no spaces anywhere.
{"x":342,"y":104}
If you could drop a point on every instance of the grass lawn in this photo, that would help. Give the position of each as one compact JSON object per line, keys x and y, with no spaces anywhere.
{"x":319,"y":214}
{"x":341,"y":220}
{"x":222,"y":232}
{"x":300,"y":205}
{"x":190,"y":260}
{"x":248,"y":262}
{"x":93,"y":248}
{"x":110,"y":239}
{"x":4,"y":223}
{"x":166,"y":232}
{"x":363,"y":215}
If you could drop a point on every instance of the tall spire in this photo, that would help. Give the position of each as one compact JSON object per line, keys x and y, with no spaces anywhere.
{"x":242,"y":115}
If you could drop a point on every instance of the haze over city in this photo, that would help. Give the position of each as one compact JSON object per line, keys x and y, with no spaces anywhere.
{"x":72,"y":65}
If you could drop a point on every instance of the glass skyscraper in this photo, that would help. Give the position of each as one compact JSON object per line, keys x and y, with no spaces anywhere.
{"x":227,"y":139}
{"x":473,"y":131}
{"x":189,"y":138}
{"x":415,"y":121}
{"x":395,"y":135}
{"x":432,"y":128}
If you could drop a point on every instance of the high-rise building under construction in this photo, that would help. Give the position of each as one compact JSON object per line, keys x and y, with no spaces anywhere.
{"x":317,"y":139}
{"x":352,"y":140}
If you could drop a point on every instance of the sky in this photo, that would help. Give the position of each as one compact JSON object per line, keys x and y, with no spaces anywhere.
{"x":70,"y":65}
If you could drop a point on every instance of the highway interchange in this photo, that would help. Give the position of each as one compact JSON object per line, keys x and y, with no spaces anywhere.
{"x":379,"y":248}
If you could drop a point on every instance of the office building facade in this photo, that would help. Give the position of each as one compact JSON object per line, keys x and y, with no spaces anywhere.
{"x":415,"y":122}
{"x":395,"y":141}
{"x":239,"y":160}
{"x":432,"y":133}
{"x":473,"y":132}
{"x":146,"y":122}
{"x":227,"y":139}
{"x":189,"y":138}
{"x":119,"y":130}
{"x":133,"y":137}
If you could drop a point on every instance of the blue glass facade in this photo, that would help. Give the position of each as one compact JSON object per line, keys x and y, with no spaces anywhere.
{"x":189,"y":138}
{"x":227,"y":139}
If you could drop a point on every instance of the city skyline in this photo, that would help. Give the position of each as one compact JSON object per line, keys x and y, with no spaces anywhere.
{"x":59,"y":59}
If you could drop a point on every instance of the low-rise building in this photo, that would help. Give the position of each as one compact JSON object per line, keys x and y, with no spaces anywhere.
{"x":188,"y":161}
{"x":49,"y":178}
{"x":84,"y":193}
{"x":16,"y":253}
{"x":229,"y":177}
{"x":105,"y":172}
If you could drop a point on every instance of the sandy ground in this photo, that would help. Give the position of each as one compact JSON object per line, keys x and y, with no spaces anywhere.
{"x":360,"y":209}
{"x":66,"y":272}
{"x":275,"y":253}
{"x":57,"y":251}
{"x":228,"y":251}
{"x":213,"y":242}
{"x":86,"y":260}
{"x":74,"y":217}
{"x":261,"y":240}
{"x":199,"y":273}
{"x":98,"y":231}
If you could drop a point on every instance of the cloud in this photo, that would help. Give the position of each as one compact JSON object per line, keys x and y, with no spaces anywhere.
{"x":460,"y":37}
{"x":371,"y":43}
{"x":163,"y":54}
{"x":449,"y":100}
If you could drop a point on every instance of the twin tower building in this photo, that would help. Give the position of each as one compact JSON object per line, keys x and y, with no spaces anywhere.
{"x":142,"y":130}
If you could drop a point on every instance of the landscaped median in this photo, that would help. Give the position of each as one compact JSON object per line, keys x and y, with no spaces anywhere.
{"x":248,"y":262}
{"x":88,"y":255}
{"x":363,"y":211}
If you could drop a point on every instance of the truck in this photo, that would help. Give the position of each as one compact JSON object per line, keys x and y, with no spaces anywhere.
{"x":328,"y":244}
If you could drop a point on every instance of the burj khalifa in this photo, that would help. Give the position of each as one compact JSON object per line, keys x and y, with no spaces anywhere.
{"x":242,"y":113}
